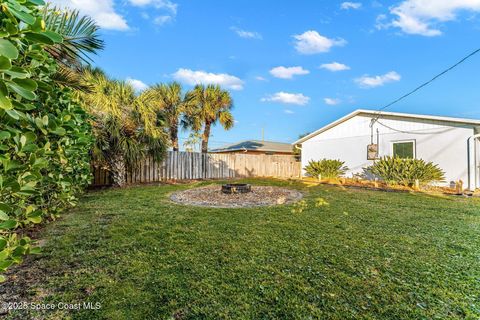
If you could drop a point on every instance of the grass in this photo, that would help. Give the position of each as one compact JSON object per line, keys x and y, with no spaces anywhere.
{"x":367,"y":254}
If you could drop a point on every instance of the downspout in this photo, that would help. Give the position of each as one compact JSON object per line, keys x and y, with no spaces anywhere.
{"x":299,"y":148}
{"x":472,"y":170}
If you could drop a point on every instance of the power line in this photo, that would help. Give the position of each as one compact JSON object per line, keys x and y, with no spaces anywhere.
{"x":411,"y":131}
{"x":440,"y":129}
{"x":424,"y":84}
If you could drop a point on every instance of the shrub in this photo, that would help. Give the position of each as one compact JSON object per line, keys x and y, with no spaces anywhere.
{"x":329,"y":169}
{"x":45,"y":136}
{"x":395,"y":170}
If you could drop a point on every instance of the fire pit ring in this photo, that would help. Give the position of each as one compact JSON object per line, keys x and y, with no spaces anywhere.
{"x":212,"y":196}
{"x":232,"y":188}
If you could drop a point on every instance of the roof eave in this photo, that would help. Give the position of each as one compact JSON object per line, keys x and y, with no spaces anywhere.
{"x":471,"y":122}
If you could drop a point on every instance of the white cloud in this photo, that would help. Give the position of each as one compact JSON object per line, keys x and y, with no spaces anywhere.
{"x":335,"y":66}
{"x":332,"y":101}
{"x":192,"y":77}
{"x":381,"y":22}
{"x":422,"y":16}
{"x":103,"y":12}
{"x":287,"y":98}
{"x":376,"y":81}
{"x":161,"y":20}
{"x":138,"y":85}
{"x":260,"y":78}
{"x":287,"y":72}
{"x":311,"y":42}
{"x":350,"y":5}
{"x":288,"y":111}
{"x":168,"y":8}
{"x":246,"y":34}
{"x":158,"y":4}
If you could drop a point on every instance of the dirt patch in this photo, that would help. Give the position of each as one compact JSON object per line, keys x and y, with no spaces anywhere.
{"x":211,"y":196}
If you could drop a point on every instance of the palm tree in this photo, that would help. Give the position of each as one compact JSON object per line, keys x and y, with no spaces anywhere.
{"x":207,"y":105}
{"x":125,"y":126}
{"x":169,"y":101}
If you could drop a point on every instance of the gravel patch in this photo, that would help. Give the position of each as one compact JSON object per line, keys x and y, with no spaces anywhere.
{"x":211,"y":196}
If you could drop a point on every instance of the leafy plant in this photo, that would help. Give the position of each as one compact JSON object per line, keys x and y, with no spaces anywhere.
{"x":327,"y":168}
{"x":45,"y":136}
{"x":395,"y":170}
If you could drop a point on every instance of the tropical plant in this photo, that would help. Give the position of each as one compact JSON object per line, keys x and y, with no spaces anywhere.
{"x":326,"y":168}
{"x":192,"y":142}
{"x":79,"y":33}
{"x":394,"y":170}
{"x":169,"y":101}
{"x":205,"y":106}
{"x":45,"y":136}
{"x":80,"y":40}
{"x":125,"y":125}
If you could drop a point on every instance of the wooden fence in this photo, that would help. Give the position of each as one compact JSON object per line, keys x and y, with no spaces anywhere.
{"x":193,"y":165}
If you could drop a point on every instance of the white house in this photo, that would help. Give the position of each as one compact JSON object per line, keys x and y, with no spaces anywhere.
{"x":361,"y":136}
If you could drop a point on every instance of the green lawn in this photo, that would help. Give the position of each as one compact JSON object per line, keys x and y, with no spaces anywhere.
{"x":368,"y":254}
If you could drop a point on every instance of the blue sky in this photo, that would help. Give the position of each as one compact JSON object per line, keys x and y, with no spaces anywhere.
{"x":293,"y":66}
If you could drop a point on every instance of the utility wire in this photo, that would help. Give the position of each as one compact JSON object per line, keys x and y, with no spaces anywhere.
{"x":428,"y":131}
{"x":424,"y":84}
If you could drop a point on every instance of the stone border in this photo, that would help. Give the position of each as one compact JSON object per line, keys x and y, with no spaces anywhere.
{"x":294,"y":196}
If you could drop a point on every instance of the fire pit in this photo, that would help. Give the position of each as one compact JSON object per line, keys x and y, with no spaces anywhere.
{"x":238,"y":196}
{"x":236,"y":188}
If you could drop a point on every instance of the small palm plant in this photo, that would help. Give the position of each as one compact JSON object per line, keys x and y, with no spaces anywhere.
{"x":326,"y":168}
{"x":394,"y":170}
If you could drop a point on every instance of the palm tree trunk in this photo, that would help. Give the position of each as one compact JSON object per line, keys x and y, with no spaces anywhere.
{"x":205,"y":137}
{"x":118,"y":170}
{"x":174,"y":136}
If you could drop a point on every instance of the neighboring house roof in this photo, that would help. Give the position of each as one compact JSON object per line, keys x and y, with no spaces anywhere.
{"x":256,"y":145}
{"x":375,"y":113}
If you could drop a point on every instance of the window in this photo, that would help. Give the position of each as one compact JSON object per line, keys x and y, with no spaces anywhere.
{"x":404,"y":149}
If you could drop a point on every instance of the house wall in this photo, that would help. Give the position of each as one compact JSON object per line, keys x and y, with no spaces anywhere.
{"x":443,"y":143}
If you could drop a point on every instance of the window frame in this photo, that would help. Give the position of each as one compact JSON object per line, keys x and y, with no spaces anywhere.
{"x":405,"y":141}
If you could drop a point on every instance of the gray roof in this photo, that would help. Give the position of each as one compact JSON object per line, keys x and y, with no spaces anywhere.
{"x":255,"y":145}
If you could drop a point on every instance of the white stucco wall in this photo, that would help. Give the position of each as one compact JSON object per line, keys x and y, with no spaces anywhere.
{"x":443,"y":143}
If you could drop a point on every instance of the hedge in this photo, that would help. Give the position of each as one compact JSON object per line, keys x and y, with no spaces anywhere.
{"x":45,"y":136}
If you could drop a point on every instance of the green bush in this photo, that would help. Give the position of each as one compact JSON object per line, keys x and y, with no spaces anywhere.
{"x":395,"y":170}
{"x":45,"y":136}
{"x":328,"y":169}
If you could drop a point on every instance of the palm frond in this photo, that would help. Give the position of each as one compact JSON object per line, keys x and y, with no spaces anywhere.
{"x":80,"y":36}
{"x":72,"y":79}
